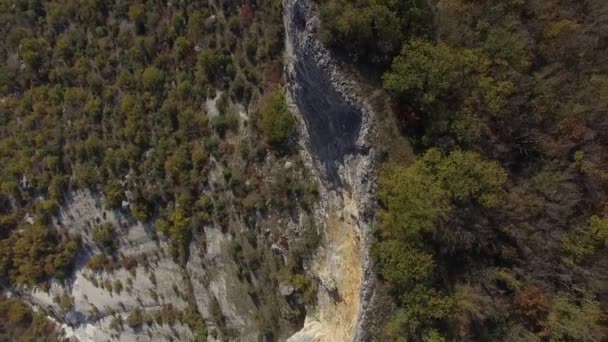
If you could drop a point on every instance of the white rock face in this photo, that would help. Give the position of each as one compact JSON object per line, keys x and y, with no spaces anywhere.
{"x":153,"y":285}
{"x":216,"y":286}
{"x":96,"y":297}
{"x":101,"y":331}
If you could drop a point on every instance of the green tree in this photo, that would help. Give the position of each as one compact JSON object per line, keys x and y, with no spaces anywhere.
{"x":33,"y":52}
{"x":569,"y":320}
{"x":430,"y":74}
{"x":403,"y":264}
{"x":19,"y":312}
{"x":137,"y":14}
{"x":599,"y":229}
{"x":212,"y":63}
{"x":467,"y":176}
{"x":423,"y":305}
{"x":435,"y":78}
{"x":176,"y":165}
{"x":507,"y":47}
{"x":179,"y":232}
{"x":276,"y":121}
{"x":371,"y":31}
{"x":414,"y":201}
{"x":418,"y":203}
{"x":113,"y":194}
{"x":224,"y":122}
{"x":152,"y":78}
{"x":182,"y":46}
{"x":104,"y":236}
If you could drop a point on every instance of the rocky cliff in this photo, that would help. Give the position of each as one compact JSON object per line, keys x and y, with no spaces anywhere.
{"x":337,"y":129}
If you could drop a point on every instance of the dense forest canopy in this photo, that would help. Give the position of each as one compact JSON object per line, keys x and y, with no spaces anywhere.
{"x":498,"y":230}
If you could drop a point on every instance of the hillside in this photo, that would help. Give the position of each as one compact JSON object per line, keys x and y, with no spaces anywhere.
{"x":304,"y":170}
{"x":152,"y":182}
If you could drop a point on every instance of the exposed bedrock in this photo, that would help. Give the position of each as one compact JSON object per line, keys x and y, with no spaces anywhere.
{"x":336,"y":122}
{"x":337,"y":126}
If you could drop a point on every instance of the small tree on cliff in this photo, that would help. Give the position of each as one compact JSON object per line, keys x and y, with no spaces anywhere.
{"x":276,"y":121}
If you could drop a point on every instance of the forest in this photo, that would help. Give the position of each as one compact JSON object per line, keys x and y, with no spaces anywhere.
{"x":497,"y":228}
